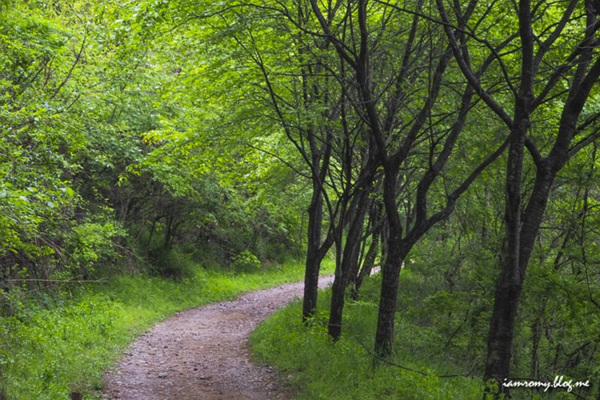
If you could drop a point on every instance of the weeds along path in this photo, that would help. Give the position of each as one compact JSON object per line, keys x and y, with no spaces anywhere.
{"x":203,"y":353}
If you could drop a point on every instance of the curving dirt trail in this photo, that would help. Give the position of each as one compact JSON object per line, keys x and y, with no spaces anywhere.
{"x":203,"y":353}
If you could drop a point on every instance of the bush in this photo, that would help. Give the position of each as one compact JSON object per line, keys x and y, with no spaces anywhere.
{"x":89,"y":245}
{"x":170,"y":263}
{"x":246,"y":262}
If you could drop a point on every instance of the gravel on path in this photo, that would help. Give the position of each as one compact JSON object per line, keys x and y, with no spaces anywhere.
{"x":203,"y":353}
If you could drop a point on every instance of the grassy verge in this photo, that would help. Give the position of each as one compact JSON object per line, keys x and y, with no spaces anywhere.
{"x":51,"y":346}
{"x":319,"y":369}
{"x":439,"y":350}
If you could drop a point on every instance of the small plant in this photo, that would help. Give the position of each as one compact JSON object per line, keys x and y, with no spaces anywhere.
{"x":171,"y":263}
{"x":90,"y":244}
{"x":246,"y":262}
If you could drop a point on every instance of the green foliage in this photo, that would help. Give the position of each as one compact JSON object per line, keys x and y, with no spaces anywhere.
{"x":149,"y":136}
{"x":91,"y":245}
{"x":171,"y":263}
{"x":102,"y":149}
{"x":49,"y":102}
{"x":246,"y":262}
{"x":50,"y":353}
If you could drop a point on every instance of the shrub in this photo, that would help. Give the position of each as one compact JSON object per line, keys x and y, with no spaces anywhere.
{"x":246,"y":262}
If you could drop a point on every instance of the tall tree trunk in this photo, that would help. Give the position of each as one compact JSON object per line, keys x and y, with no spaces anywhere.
{"x":349,"y":261}
{"x":313,"y":254}
{"x":510,"y":281}
{"x":522,"y":228}
{"x":396,"y":253}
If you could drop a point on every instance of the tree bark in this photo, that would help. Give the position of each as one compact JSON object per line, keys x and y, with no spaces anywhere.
{"x":510,"y":281}
{"x":349,"y":260}
{"x":396,"y":253}
{"x":313,"y":254}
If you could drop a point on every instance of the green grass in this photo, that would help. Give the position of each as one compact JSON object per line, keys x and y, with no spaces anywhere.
{"x":316,"y":368}
{"x":426,"y":364}
{"x":52,"y":345}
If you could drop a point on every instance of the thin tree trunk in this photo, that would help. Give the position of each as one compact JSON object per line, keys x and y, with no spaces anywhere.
{"x":384,"y":337}
{"x":535,"y":362}
{"x":349,"y":260}
{"x":375,"y":215}
{"x":313,"y":255}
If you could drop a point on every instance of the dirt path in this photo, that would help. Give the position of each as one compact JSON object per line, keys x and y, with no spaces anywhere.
{"x":203,"y":353}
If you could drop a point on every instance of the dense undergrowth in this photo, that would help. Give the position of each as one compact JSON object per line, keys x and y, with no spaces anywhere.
{"x":56,"y":344}
{"x":432,"y":359}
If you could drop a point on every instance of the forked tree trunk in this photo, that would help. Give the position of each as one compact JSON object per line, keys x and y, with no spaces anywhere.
{"x":349,"y":261}
{"x":313,"y":255}
{"x":510,"y":282}
{"x":396,"y":253}
{"x":368,"y":263}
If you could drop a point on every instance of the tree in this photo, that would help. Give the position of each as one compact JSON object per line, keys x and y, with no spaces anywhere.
{"x":384,"y":90}
{"x":555,"y":74}
{"x":216,"y":128}
{"x":42,"y":66}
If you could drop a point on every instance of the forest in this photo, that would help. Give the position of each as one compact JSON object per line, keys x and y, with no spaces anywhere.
{"x":157,"y":155}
